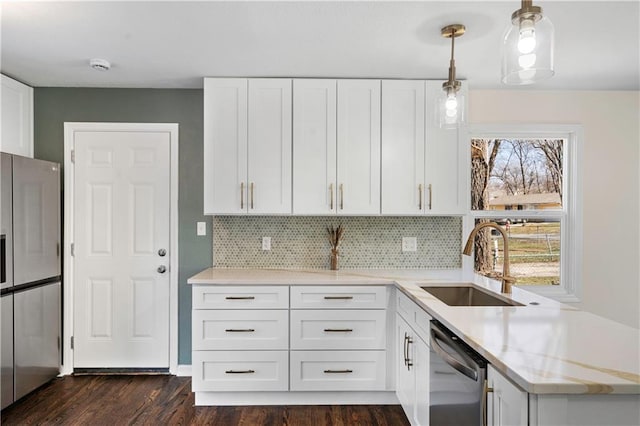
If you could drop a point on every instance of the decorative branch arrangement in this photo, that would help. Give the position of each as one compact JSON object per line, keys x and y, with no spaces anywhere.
{"x":335,"y":236}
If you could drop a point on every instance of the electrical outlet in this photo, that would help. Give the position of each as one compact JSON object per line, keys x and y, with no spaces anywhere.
{"x":201,"y":228}
{"x":409,"y":244}
{"x":266,"y":243}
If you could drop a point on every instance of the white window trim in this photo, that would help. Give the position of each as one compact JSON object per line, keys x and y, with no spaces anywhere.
{"x":570,"y":288}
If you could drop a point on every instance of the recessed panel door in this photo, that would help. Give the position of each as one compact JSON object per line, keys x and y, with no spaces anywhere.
{"x":121,"y":286}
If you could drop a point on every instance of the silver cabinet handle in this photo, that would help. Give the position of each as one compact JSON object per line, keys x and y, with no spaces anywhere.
{"x":240,"y":297}
{"x":337,"y":371}
{"x":338,"y":297}
{"x":331,"y":196}
{"x":162,"y":252}
{"x":251,"y":185}
{"x":239,"y":371}
{"x":341,"y":196}
{"x":430,"y":195}
{"x":404,"y":349}
{"x":162,"y":269}
{"x":420,"y":197}
{"x":240,"y":330}
{"x":338,"y":330}
{"x":241,"y":195}
{"x":409,"y":341}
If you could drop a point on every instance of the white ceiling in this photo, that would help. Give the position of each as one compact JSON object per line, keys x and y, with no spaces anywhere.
{"x":175,"y":44}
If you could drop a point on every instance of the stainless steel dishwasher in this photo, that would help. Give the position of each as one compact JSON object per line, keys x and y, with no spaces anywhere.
{"x":456,"y":381}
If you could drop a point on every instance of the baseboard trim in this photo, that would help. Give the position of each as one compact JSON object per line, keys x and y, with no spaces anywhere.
{"x":183,"y":370}
{"x":296,"y":398}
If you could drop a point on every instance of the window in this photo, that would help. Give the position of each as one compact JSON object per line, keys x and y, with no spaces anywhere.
{"x":526,"y":181}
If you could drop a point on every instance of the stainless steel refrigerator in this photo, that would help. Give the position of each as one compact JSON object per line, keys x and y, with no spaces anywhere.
{"x":30,"y":274}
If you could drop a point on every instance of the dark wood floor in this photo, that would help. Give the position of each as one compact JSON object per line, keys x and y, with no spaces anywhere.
{"x":167,"y":400}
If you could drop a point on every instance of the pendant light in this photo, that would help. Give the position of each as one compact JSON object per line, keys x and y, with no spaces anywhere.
{"x":527,"y":55}
{"x":450,"y":104}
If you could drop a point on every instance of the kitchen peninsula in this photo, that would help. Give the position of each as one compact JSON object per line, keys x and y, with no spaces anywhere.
{"x":564,"y":365}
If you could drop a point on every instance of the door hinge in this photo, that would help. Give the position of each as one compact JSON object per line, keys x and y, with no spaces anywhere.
{"x":73,"y":249}
{"x":73,"y":155}
{"x":72,"y":342}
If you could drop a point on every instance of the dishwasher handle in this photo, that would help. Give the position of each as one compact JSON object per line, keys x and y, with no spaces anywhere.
{"x":439,"y":336}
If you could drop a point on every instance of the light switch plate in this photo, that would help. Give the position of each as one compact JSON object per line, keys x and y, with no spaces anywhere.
{"x":266,"y":243}
{"x":201,"y":228}
{"x":409,"y":244}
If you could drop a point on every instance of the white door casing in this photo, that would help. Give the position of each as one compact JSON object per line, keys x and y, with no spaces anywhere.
{"x":121,"y":204}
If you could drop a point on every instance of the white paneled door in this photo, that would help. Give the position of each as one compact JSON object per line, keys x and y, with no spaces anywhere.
{"x":121,"y":249}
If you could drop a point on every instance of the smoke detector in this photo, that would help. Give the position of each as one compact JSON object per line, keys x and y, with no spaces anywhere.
{"x":99,"y":64}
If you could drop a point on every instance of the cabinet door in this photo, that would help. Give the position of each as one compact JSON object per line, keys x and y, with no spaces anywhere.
{"x":405,"y":376}
{"x":17,"y":118}
{"x":269,"y":146}
{"x":421,"y":367}
{"x":444,"y":190}
{"x":403,"y":158}
{"x":314,"y":146}
{"x":358,"y":139}
{"x":507,"y":405}
{"x":225,"y":145}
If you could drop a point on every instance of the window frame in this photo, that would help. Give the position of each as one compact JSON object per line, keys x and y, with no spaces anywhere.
{"x":570,"y":215}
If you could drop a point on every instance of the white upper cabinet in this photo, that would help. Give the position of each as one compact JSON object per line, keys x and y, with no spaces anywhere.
{"x":269,"y":170}
{"x":358,"y":183}
{"x":247,"y":146}
{"x":421,"y":163}
{"x":336,"y":153}
{"x":17,"y":118}
{"x":444,"y":185}
{"x":403,"y":144}
{"x":314,"y":146}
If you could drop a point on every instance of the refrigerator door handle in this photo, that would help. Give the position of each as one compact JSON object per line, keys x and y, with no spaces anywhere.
{"x":3,"y":258}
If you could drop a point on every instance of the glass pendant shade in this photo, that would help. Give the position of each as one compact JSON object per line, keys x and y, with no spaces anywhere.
{"x":527,"y":55}
{"x":450,"y":109}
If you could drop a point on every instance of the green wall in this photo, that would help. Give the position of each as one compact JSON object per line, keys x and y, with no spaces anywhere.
{"x":54,"y":106}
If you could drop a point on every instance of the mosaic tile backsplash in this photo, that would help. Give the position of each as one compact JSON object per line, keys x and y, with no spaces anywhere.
{"x":368,"y":242}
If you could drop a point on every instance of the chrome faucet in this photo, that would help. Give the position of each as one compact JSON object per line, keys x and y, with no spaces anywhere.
{"x":507,"y":280}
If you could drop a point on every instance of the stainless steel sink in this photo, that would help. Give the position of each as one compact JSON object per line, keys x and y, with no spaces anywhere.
{"x":468,"y":296}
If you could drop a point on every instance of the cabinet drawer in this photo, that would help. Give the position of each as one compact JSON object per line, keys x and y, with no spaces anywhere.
{"x":240,"y":329}
{"x":338,"y":297}
{"x":223,"y":371}
{"x":415,"y":316}
{"x":338,"y":329}
{"x":338,"y":370}
{"x":240,"y":297}
{"x":405,"y":306}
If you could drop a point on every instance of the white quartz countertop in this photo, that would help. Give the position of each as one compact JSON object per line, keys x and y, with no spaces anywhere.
{"x":548,"y":348}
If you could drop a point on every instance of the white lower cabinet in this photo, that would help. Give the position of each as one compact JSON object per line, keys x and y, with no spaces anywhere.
{"x":249,"y":339}
{"x":338,"y":370}
{"x":224,"y":371}
{"x":507,"y":404}
{"x":412,"y":373}
{"x":336,"y":329}
{"x":240,"y":329}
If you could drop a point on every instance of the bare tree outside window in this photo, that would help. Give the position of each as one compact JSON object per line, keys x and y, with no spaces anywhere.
{"x":518,"y":174}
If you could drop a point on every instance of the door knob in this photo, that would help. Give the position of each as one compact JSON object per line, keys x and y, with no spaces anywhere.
{"x":162,"y":252}
{"x":162,"y":269}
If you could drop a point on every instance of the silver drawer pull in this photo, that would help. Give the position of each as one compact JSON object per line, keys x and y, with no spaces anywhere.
{"x":338,"y":330}
{"x":239,"y":372}
{"x":240,"y":297}
{"x":338,"y":371}
{"x":240,"y":330}
{"x":338,"y":297}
